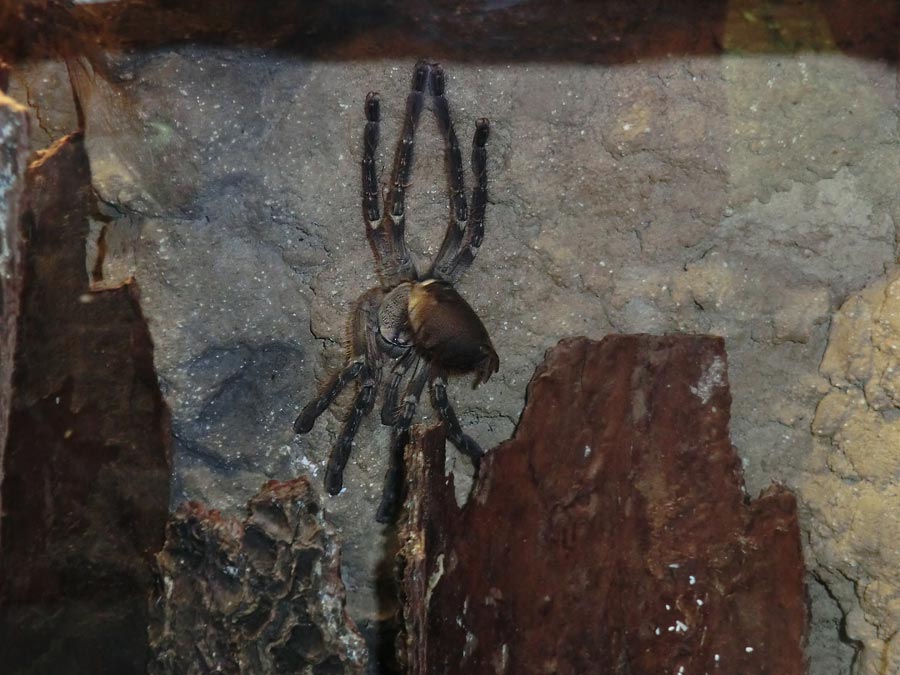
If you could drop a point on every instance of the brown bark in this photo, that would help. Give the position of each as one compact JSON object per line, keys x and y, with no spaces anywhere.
{"x":260,"y":596}
{"x":13,"y":161}
{"x":610,"y":535}
{"x":86,"y":470}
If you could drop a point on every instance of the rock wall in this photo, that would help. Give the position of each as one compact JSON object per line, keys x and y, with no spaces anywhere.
{"x":851,"y":485}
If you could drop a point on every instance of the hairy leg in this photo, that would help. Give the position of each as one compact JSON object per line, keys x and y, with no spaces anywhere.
{"x":393,"y":479}
{"x":362,"y":404}
{"x":463,"y":442}
{"x":460,"y":247}
{"x":379,"y":239}
{"x":389,"y":409}
{"x":310,"y":413}
{"x":459,"y":210}
{"x":400,"y":266}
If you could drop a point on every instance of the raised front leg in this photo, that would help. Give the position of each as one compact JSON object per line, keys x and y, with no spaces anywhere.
{"x":456,"y":189}
{"x":379,"y":238}
{"x":461,"y":245}
{"x":400,"y":267}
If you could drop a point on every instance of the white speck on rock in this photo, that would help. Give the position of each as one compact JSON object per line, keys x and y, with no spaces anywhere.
{"x":712,"y":377}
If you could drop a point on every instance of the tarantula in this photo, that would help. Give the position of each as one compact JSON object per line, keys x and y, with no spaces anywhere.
{"x":415,"y":323}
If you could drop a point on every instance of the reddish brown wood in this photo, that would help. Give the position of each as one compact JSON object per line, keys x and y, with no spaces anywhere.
{"x":13,"y":161}
{"x":611,"y":534}
{"x":86,"y":472}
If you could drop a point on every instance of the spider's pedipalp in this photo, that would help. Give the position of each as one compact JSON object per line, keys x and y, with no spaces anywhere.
{"x":310,"y":413}
{"x":464,"y":443}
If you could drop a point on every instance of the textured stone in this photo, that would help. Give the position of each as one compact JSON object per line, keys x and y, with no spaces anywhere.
{"x":611,"y":534}
{"x":260,"y":596}
{"x":851,"y":489}
{"x":86,"y":472}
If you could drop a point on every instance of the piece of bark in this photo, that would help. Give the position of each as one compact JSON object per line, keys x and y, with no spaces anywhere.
{"x":610,"y":535}
{"x":260,"y":596}
{"x":13,"y":162}
{"x":86,"y":468}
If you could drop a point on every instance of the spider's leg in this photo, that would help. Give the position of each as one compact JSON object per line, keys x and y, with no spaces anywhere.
{"x":463,"y":442}
{"x":389,"y":409}
{"x":460,"y":247}
{"x":459,"y":210}
{"x":379,"y":240}
{"x":399,"y":438}
{"x":312,"y":410}
{"x":362,"y":404}
{"x":401,"y":266}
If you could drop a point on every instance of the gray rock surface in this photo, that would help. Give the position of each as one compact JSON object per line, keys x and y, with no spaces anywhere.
{"x":747,"y":195}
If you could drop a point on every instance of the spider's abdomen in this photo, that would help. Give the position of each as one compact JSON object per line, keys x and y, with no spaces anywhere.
{"x":447,"y":331}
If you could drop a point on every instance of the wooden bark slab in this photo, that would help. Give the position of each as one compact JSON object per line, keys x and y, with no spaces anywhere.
{"x":86,"y":468}
{"x":13,"y":161}
{"x":610,"y":535}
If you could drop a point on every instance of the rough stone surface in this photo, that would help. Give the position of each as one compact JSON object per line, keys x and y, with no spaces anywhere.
{"x":13,"y":160}
{"x":851,"y":488}
{"x":86,"y":473}
{"x":260,"y":596}
{"x":724,"y":168}
{"x":611,"y":534}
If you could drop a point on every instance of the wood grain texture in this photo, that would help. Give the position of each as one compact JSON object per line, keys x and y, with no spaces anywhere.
{"x":610,"y":535}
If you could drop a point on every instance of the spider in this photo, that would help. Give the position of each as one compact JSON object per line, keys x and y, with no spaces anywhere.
{"x":415,"y":323}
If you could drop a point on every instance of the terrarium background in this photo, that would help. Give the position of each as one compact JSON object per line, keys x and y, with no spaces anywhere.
{"x":727,"y":169}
